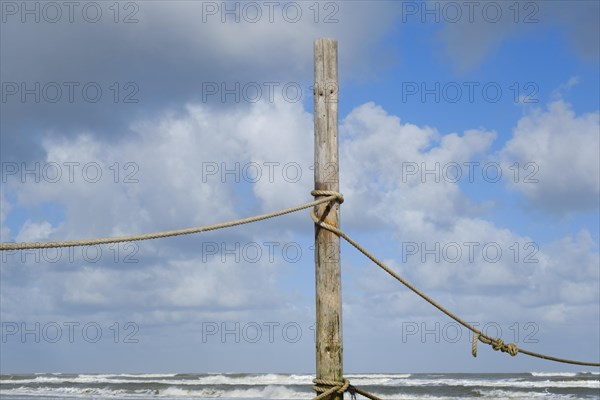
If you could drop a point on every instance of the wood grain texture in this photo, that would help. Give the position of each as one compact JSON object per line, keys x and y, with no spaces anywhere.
{"x":327,"y":244}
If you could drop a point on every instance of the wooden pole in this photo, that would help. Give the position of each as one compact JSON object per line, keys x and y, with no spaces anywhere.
{"x":327,"y":244}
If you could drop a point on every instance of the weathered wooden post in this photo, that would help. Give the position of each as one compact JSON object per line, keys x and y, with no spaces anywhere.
{"x":327,"y":244}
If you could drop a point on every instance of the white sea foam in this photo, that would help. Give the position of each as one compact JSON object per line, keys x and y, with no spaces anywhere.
{"x":284,"y":386}
{"x":551,"y":374}
{"x":216,"y":379}
{"x":503,"y":394}
{"x":376,"y":379}
{"x":268,"y":392}
{"x":268,"y":379}
{"x":592,"y":384}
{"x":74,"y":392}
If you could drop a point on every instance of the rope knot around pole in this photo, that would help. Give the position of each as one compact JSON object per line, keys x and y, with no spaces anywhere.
{"x":338,"y":196}
{"x":340,"y":387}
{"x":326,"y":388}
{"x":335,"y":196}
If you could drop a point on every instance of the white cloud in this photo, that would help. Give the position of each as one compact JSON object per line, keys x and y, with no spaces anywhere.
{"x":161,"y":180}
{"x":540,"y":280}
{"x":167,"y":186}
{"x":558,"y":157}
{"x":378,"y":156}
{"x":35,"y":231}
{"x":565,"y":87}
{"x":283,"y":134}
{"x":174,"y":285}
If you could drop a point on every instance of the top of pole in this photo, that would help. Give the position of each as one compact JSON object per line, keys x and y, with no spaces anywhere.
{"x":326,"y":113}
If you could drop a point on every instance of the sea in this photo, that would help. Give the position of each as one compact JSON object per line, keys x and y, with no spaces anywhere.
{"x":528,"y":385}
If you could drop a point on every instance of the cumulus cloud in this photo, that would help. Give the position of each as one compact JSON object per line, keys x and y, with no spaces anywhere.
{"x":558,"y":153}
{"x":186,"y":162}
{"x":190,"y":284}
{"x":279,"y":139}
{"x":35,"y":232}
{"x":174,"y":284}
{"x":381,"y":155}
{"x":177,"y":170}
{"x":443,"y":243}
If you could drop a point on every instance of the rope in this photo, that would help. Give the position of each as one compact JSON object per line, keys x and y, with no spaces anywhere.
{"x":157,"y":235}
{"x":330,"y":193}
{"x":328,"y":196}
{"x":497,"y":344}
{"x":338,"y":387}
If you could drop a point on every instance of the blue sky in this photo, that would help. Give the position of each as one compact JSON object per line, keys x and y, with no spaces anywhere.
{"x":121,"y":120}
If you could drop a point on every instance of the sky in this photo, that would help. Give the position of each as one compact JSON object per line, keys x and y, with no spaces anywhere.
{"x":469,"y":143}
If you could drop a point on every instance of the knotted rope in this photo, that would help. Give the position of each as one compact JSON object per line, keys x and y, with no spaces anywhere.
{"x":327,"y":387}
{"x":497,"y":344}
{"x":329,"y":193}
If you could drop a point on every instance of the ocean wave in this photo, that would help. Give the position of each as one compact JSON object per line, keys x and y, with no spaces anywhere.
{"x":216,"y":379}
{"x":551,"y":374}
{"x":514,"y":383}
{"x":268,"y":392}
{"x":504,"y":394}
{"x":75,"y":392}
{"x":294,"y":386}
{"x":167,"y":379}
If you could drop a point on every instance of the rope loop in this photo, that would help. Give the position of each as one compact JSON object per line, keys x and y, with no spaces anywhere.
{"x":338,"y":196}
{"x":339,"y":387}
{"x":333,"y":387}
